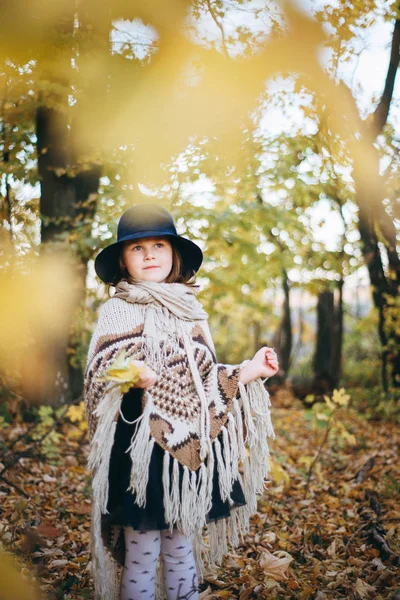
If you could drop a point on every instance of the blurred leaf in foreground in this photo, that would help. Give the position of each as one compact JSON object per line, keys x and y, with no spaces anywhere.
{"x":35,"y":311}
{"x":13,"y":586}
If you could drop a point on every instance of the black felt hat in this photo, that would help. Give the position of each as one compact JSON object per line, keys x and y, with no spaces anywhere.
{"x":144,"y":221}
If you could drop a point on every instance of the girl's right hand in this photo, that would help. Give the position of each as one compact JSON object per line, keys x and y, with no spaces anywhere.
{"x":147,"y":377}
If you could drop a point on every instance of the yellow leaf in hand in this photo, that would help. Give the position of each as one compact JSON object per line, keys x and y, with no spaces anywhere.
{"x":123,"y":372}
{"x":118,"y":375}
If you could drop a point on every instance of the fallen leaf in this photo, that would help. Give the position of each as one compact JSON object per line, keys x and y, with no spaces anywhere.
{"x":48,"y":531}
{"x":30,"y":539}
{"x":49,"y":479}
{"x":306,"y":461}
{"x":364,"y":590}
{"x":209,"y":594}
{"x":81,"y":509}
{"x":58,"y":563}
{"x":332,"y":549}
{"x":269,"y":537}
{"x":275,"y":565}
{"x":246,"y":593}
{"x":278,"y":473}
{"x":378,"y":564}
{"x":216,"y":582}
{"x":234,"y":562}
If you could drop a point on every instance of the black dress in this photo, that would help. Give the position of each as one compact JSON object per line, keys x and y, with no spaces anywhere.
{"x":122,"y":507}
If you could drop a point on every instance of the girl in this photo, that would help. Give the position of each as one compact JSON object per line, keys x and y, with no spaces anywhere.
{"x":168,"y":456}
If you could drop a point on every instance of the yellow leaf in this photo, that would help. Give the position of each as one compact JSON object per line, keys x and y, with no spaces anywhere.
{"x":119,"y":375}
{"x":306,"y":461}
{"x":329,"y":403}
{"x":83,"y":425}
{"x":123,"y":372}
{"x":13,"y":584}
{"x":76,"y":412}
{"x":322,"y":416}
{"x":340,"y":397}
{"x":318,"y":472}
{"x":278,"y":474}
{"x":349,"y":437}
{"x":346,"y":435}
{"x":74,"y":433}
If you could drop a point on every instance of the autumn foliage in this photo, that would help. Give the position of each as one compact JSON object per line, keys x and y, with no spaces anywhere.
{"x":249,"y":121}
{"x":327,"y":525}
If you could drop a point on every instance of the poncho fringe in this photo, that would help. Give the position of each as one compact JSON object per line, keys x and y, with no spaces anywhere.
{"x":185,"y":509}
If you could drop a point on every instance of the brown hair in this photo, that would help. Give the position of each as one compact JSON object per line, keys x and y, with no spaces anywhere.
{"x":179,"y":273}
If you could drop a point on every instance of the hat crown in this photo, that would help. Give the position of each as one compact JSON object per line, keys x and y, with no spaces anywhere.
{"x":145,"y":221}
{"x":145,"y":218}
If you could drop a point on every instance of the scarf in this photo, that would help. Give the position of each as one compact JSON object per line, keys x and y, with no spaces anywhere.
{"x":167,"y":305}
{"x":196,"y":403}
{"x":177,"y":298}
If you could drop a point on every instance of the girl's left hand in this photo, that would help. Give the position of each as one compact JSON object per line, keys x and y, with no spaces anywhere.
{"x":263,"y":364}
{"x":268,"y":362}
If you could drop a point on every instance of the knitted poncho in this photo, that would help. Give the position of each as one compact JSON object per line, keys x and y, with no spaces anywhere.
{"x":195,"y":402}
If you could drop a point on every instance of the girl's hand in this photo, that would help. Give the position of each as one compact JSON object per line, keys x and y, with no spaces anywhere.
{"x":263,"y":364}
{"x":147,"y":377}
{"x":268,"y":362}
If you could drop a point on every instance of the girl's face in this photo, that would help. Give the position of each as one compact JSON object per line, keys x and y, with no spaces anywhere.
{"x":147,"y":259}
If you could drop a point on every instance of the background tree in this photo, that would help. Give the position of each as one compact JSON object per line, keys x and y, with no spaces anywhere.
{"x":93,"y":74}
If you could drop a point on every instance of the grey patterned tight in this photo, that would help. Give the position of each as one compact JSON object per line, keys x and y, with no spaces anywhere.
{"x":142,"y":551}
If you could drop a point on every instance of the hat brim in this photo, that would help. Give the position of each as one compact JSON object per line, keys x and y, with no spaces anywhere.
{"x":106,"y":263}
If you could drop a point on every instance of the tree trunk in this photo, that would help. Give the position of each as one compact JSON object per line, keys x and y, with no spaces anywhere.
{"x":373,"y":258}
{"x":324,"y":343}
{"x":338,"y":336}
{"x":287,"y":335}
{"x":6,"y":209}
{"x":65,"y":203}
{"x":257,"y":336}
{"x":69,"y":189}
{"x":378,"y":231}
{"x":284,"y":337}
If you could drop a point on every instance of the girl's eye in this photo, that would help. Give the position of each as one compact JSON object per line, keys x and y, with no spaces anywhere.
{"x":160,"y":245}
{"x":136,"y":248}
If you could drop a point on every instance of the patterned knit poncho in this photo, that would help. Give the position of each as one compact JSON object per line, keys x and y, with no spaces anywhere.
{"x":195,"y":403}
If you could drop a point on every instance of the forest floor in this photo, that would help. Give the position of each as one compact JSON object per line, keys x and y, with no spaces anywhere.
{"x":327,"y":526}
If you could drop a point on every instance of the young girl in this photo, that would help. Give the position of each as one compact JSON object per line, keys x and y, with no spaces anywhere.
{"x":183,"y":452}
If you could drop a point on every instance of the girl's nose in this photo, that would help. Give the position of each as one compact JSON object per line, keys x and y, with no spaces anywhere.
{"x":149,"y":254}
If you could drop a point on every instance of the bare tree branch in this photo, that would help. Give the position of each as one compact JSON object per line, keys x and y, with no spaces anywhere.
{"x":382,"y":111}
{"x":220,"y":26}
